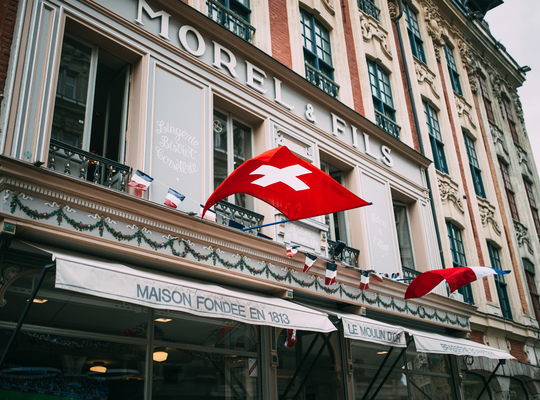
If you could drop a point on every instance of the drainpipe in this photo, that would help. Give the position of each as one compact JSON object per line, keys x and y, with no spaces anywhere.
{"x":418,"y":133}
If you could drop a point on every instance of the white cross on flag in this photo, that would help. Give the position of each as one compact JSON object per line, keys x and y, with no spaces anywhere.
{"x":293,"y":186}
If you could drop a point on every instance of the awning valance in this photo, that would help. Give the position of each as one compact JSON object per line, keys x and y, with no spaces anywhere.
{"x":92,"y":276}
{"x":427,"y":342}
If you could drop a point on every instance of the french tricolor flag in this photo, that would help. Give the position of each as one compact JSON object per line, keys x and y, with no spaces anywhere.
{"x":331,"y":273}
{"x":456,"y":277}
{"x":364,"y":280}
{"x":140,"y":180}
{"x":310,"y":260}
{"x":291,"y":250}
{"x":173,"y":198}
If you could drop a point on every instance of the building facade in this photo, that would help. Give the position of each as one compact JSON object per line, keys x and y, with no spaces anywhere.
{"x":106,"y":292}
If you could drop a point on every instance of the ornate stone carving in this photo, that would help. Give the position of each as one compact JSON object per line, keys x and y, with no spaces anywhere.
{"x":470,"y":63}
{"x":522,"y":236}
{"x":487,"y":215}
{"x":423,"y":74}
{"x":449,"y":192}
{"x":433,"y":23}
{"x":372,"y":30}
{"x":518,"y":108}
{"x":464,"y":109}
{"x":329,"y":5}
{"x":523,"y":158}
{"x":392,"y":9}
{"x":498,"y":137}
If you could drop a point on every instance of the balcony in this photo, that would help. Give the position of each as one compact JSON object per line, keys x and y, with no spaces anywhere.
{"x":229,"y":20}
{"x":238,"y":217}
{"x":409,"y":274}
{"x":387,"y":124}
{"x":322,"y":81}
{"x":349,"y":255}
{"x":368,"y":7}
{"x":84,"y":165}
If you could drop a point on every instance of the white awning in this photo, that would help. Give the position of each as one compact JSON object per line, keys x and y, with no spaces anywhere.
{"x":441,"y":344}
{"x":365,"y":329}
{"x":115,"y":281}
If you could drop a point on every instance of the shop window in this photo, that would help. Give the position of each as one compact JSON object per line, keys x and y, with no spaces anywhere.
{"x":531,"y":283}
{"x":500,"y":282}
{"x":318,"y":54}
{"x":413,"y":29}
{"x":474,"y":166}
{"x":487,"y":98}
{"x":310,"y":369}
{"x":233,"y":144}
{"x":458,"y":257}
{"x":404,"y":236}
{"x":473,"y":385}
{"x":452,"y":70}
{"x":510,"y":195}
{"x":233,"y":15}
{"x":532,"y":204}
{"x":435,"y":138}
{"x":381,"y":93}
{"x":90,"y":113}
{"x":510,"y":118}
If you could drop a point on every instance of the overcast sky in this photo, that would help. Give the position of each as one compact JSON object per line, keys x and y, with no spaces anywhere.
{"x":516,"y":24}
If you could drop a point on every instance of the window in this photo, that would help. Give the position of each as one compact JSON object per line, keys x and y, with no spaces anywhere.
{"x":317,"y":54}
{"x":474,"y":166}
{"x":533,"y":291}
{"x":435,"y":138}
{"x":403,"y":229}
{"x":337,"y":222}
{"x":486,"y":97}
{"x":381,"y":93}
{"x":232,"y":146}
{"x":417,"y":44}
{"x":509,"y":191}
{"x":458,"y":257}
{"x":90,"y":111}
{"x":500,"y":282}
{"x":532,"y":205}
{"x":368,"y":7}
{"x":510,"y":117}
{"x":233,"y":15}
{"x":452,"y":70}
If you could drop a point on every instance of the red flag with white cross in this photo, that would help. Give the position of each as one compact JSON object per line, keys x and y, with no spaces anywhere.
{"x":293,"y":186}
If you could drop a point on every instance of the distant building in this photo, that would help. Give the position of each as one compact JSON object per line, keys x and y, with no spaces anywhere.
{"x":411,"y":105}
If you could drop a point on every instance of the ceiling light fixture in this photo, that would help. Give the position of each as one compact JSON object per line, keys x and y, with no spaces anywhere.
{"x":99,"y":366}
{"x":38,"y":301}
{"x":163,"y":319}
{"x":160,"y":354}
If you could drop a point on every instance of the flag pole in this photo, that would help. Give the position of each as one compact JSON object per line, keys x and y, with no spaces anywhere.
{"x":262,"y":226}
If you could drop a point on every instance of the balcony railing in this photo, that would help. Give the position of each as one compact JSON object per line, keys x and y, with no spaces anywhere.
{"x":236,"y":216}
{"x":322,"y":81}
{"x":387,"y":124}
{"x":349,"y":255}
{"x":229,"y":20}
{"x":409,"y":274}
{"x":88,"y":166}
{"x":368,"y":7}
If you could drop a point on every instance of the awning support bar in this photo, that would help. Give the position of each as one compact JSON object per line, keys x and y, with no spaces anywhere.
{"x":297,"y":372}
{"x":391,"y":369}
{"x":377,"y":373}
{"x":303,"y":383}
{"x":501,"y":362}
{"x":25,"y":312}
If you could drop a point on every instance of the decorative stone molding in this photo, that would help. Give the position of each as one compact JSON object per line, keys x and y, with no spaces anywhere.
{"x":523,"y":159}
{"x":329,"y":5}
{"x":372,"y":30}
{"x":498,"y":138}
{"x":464,"y":109}
{"x":469,"y":61}
{"x":433,"y":23}
{"x":487,"y":216}
{"x":392,"y":9}
{"x":449,"y":192}
{"x":518,"y":108}
{"x":522,"y":236}
{"x":424,"y":74}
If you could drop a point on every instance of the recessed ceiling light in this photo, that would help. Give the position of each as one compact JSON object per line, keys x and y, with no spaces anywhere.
{"x":382,"y":352}
{"x":38,"y":301}
{"x":163,"y":319}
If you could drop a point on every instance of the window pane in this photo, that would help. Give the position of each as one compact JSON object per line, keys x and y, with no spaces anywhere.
{"x":404,"y":236}
{"x":220,"y":148}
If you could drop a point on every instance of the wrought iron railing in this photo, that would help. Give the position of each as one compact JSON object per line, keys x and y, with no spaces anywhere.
{"x":88,"y":166}
{"x":409,"y":274}
{"x":322,"y":81}
{"x":349,"y":255}
{"x":229,"y":20}
{"x":236,"y":216}
{"x":387,"y":124}
{"x":369,"y":8}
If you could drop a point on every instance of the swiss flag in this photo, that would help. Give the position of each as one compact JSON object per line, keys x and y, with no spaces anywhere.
{"x":293,"y":186}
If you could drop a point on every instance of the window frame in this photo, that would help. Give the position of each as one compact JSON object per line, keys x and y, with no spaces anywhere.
{"x":510,"y":118}
{"x":339,"y":221}
{"x":405,"y":208}
{"x":452,"y":70}
{"x":435,"y":138}
{"x":311,"y":53}
{"x":459,"y":259}
{"x":510,"y":194}
{"x":533,"y":290}
{"x":474,"y":165}
{"x":532,"y":204}
{"x":413,"y":29}
{"x":500,"y":281}
{"x":486,"y":98}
